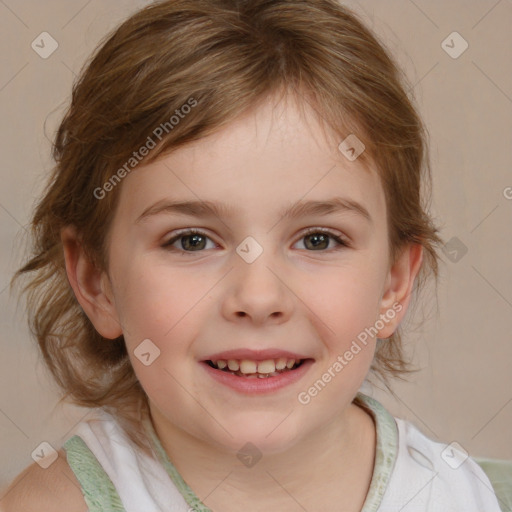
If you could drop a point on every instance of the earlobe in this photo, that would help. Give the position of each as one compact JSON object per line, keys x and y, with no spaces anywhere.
{"x":89,"y":285}
{"x":399,"y":284}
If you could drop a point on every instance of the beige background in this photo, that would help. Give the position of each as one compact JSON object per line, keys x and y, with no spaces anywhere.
{"x":463,"y":391}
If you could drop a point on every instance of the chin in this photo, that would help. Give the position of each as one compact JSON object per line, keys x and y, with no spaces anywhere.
{"x":269,"y":435}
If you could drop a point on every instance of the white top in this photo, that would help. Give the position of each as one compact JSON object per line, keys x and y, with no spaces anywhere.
{"x":429,"y":476}
{"x":412,"y":472}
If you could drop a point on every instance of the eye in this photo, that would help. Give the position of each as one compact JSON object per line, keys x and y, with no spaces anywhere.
{"x":193,"y":240}
{"x":190,"y":240}
{"x":318,"y":239}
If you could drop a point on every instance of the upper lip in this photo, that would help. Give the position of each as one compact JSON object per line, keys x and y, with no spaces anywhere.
{"x":255,"y":355}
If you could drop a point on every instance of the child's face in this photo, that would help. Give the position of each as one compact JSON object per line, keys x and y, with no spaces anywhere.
{"x":303,"y":294}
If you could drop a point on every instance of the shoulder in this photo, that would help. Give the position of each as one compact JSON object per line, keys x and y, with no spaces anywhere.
{"x":499,"y":473}
{"x":52,"y":489}
{"x":449,"y":471}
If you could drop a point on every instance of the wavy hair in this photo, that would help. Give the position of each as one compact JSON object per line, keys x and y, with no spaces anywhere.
{"x":228,"y":55}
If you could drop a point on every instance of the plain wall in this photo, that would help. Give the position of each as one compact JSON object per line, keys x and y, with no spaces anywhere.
{"x":463,"y":390}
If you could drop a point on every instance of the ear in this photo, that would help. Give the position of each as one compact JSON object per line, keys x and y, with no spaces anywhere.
{"x":398,"y":287}
{"x":91,"y":286}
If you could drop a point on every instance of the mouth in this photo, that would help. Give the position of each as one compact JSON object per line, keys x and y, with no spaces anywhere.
{"x":256,"y":372}
{"x":251,"y":369}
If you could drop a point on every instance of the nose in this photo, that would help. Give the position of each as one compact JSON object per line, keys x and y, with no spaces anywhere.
{"x":257,"y":292}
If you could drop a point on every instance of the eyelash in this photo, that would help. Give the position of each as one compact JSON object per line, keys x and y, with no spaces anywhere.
{"x":310,"y":231}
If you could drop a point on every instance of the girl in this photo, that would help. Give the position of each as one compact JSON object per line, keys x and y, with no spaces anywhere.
{"x":232,"y":235}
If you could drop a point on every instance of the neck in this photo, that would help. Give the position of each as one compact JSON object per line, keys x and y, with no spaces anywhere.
{"x":333,"y":465}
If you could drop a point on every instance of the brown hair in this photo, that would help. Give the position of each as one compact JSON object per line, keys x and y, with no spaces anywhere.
{"x":227,"y":55}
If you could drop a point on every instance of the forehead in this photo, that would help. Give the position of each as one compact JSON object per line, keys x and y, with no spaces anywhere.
{"x":274,"y":154}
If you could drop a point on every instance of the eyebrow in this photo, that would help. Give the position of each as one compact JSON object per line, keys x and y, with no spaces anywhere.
{"x":212,"y":209}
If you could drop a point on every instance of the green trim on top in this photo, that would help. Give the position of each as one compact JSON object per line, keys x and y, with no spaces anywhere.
{"x":386,"y":450}
{"x":386,"y":453}
{"x":499,"y":472}
{"x":98,"y":490}
{"x":101,"y":496}
{"x":188,"y":494}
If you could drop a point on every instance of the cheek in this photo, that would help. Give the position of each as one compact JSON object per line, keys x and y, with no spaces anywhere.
{"x":345,"y":318}
{"x":343,"y":304}
{"x":163,"y":305}
{"x":148,"y":295}
{"x":159,"y":318}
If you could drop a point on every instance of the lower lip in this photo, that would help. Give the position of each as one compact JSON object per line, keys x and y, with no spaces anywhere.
{"x":258,"y":386}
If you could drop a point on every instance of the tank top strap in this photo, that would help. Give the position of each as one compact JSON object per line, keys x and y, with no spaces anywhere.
{"x":115,"y":474}
{"x":99,"y":492}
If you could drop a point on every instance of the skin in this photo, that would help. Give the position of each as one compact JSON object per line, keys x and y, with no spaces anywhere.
{"x":293,"y":296}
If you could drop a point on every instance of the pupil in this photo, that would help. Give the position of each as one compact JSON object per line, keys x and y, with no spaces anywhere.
{"x":196,"y":242}
{"x":318,"y":239}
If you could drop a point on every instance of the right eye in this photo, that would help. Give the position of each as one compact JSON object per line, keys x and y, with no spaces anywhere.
{"x":189,"y":240}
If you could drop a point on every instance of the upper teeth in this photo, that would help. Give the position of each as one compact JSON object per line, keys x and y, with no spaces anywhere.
{"x":247,"y":366}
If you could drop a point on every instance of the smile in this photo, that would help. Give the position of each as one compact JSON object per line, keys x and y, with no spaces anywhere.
{"x":252,"y":377}
{"x":256,"y":369}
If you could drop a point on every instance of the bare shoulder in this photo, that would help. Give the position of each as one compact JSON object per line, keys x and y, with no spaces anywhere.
{"x":53,"y":489}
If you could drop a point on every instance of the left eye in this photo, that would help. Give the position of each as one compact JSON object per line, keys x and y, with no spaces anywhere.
{"x":318,"y":239}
